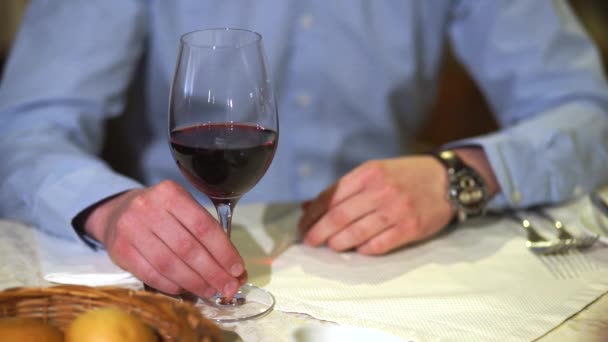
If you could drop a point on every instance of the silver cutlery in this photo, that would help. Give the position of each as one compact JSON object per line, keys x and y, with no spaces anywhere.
{"x":561,"y":256}
{"x":536,"y":242}
{"x":584,"y":241}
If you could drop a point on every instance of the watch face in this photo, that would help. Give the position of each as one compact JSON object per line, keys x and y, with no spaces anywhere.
{"x":469,"y":192}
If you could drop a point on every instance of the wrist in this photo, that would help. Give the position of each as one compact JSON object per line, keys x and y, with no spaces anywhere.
{"x":475,"y":158}
{"x":470,"y":182}
{"x":93,"y":220}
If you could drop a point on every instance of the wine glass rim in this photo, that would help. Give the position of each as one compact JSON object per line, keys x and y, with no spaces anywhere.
{"x":184,"y":37}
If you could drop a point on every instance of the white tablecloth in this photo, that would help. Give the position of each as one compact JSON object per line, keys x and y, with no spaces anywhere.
{"x":474,"y":283}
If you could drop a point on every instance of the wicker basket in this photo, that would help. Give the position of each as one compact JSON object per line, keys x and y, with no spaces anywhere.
{"x":59,"y":305}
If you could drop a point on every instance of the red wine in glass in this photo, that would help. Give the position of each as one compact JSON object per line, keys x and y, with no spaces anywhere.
{"x":223,"y":160}
{"x":223,"y":132}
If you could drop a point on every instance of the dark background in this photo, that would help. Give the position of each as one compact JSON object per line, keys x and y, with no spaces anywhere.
{"x":460,"y":110}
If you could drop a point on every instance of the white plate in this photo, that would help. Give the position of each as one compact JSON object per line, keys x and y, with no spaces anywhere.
{"x":326,"y":333}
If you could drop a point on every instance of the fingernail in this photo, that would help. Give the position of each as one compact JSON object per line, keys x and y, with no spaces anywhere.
{"x":209,"y":292}
{"x":236,"y":270}
{"x":231,"y":287}
{"x":243,"y":278}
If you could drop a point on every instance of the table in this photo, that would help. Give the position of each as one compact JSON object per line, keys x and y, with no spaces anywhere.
{"x":20,"y":267}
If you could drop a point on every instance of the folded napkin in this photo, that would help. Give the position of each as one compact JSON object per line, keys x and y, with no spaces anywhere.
{"x":18,"y":256}
{"x":68,"y":262}
{"x":477,"y":282}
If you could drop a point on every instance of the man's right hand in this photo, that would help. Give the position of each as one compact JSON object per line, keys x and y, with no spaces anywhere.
{"x":169,"y":241}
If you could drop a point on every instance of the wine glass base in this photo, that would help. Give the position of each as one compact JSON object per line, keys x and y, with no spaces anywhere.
{"x":250,"y":302}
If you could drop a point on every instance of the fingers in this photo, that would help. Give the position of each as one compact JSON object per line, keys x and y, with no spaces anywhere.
{"x":384,"y":242}
{"x":388,"y":214}
{"x":379,"y":206}
{"x":164,"y":261}
{"x":357,"y":233}
{"x":144,"y":271}
{"x":141,"y":268}
{"x":368,"y":176}
{"x":314,"y":210}
{"x":163,"y":236}
{"x":205,"y":231}
{"x":341,"y":216}
{"x":185,"y":247}
{"x":348,"y":186}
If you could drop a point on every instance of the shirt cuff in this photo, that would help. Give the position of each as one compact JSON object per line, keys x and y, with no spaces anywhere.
{"x":59,"y":203}
{"x":551,"y":157}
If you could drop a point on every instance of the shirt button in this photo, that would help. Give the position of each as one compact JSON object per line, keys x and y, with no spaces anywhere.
{"x":516,"y":197}
{"x":306,"y":21}
{"x":304,"y":170}
{"x":303,"y":100}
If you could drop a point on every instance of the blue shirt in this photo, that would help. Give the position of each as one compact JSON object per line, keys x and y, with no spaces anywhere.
{"x":354,"y":79}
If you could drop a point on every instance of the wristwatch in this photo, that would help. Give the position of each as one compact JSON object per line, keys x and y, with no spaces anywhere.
{"x":467,"y":190}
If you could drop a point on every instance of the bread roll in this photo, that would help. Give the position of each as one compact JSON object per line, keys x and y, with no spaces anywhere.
{"x":108,"y":325}
{"x":28,"y":330}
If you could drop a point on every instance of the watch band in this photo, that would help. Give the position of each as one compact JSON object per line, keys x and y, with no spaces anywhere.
{"x":467,"y":190}
{"x":450,"y":160}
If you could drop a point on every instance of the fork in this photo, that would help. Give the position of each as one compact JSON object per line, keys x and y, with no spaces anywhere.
{"x":561,"y":257}
{"x":585,"y":241}
{"x":536,"y":242}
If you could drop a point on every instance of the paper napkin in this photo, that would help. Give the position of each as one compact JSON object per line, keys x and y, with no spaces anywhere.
{"x":477,"y":282}
{"x":69,"y":262}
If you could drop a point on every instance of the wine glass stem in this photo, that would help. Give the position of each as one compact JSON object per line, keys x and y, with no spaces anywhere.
{"x":224,"y":213}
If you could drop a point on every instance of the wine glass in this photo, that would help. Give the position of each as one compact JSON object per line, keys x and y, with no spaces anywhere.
{"x":223,"y":131}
